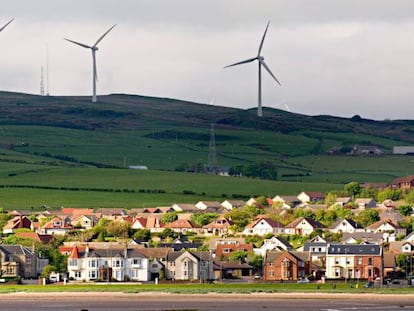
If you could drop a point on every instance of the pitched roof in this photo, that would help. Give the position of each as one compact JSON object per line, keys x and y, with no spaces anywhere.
{"x":181,"y":224}
{"x":382,"y":222}
{"x":271,"y":222}
{"x":44,"y":238}
{"x":353,"y":223}
{"x":311,"y":221}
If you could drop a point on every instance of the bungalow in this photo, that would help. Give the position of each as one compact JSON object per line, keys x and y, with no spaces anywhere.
{"x":224,"y":250}
{"x":403,"y":183}
{"x":363,"y":203}
{"x":303,"y":226}
{"x":187,"y":208}
{"x":387,"y":226}
{"x":209,"y":205}
{"x":343,"y":201}
{"x":263,"y":226}
{"x":346,"y":225}
{"x":362,"y":237}
{"x":311,"y":197}
{"x":56,"y":226}
{"x":232,"y":269}
{"x":231,"y":204}
{"x":17,"y":222}
{"x":43,"y":238}
{"x":85,"y":222}
{"x":287,"y":265}
{"x":219,"y":227}
{"x":285,"y":202}
{"x":182,"y":226}
{"x":358,"y":261}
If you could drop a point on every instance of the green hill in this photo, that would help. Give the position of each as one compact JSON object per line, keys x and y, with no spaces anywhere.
{"x":52,"y":135}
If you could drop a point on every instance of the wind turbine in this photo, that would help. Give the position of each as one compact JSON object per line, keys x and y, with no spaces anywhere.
{"x":93,"y":48}
{"x":6,"y":24}
{"x":261,"y":63}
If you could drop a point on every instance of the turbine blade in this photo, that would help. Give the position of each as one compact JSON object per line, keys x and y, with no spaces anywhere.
{"x":270,"y":72}
{"x":78,"y":43}
{"x":242,"y":62}
{"x":100,"y":39}
{"x":6,"y":24}
{"x":261,"y":43}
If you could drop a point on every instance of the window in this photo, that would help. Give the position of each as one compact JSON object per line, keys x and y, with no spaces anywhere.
{"x":93,"y":274}
{"x":117,"y":263}
{"x":337,"y":261}
{"x":78,"y":275}
{"x":370,"y":261}
{"x":348,"y":261}
{"x":73,"y":262}
{"x":359,"y":261}
{"x":92,"y":263}
{"x":271,"y":264}
{"x":136,"y":261}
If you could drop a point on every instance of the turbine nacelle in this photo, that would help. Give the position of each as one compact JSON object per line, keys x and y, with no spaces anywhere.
{"x":261,"y":61}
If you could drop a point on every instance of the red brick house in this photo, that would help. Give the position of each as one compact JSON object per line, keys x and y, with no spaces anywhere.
{"x":404,"y":183}
{"x":286,"y":265}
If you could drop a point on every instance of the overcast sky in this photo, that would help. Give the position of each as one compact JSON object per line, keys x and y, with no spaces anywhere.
{"x":336,"y":57}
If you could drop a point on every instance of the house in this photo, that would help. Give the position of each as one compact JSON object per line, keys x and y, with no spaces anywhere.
{"x":157,"y":260}
{"x":363,"y":203}
{"x":357,"y":261}
{"x":42,"y":238}
{"x":287,"y":265}
{"x":219,"y":227}
{"x":189,"y":265}
{"x":311,"y":197}
{"x":215,"y":241}
{"x":407,"y":247}
{"x":108,"y":263}
{"x":403,"y":183}
{"x":56,"y":226}
{"x":18,"y":261}
{"x":187,"y":208}
{"x":303,"y":226}
{"x":387,"y":226}
{"x":232,"y":269}
{"x":362,"y":237}
{"x":343,"y":201}
{"x":285,"y":202}
{"x":317,"y":251}
{"x":346,"y":225}
{"x":182,"y":226}
{"x":224,"y":250}
{"x":272,"y":244}
{"x":231,"y":204}
{"x":84,"y":221}
{"x":263,"y":226}
{"x":251,"y":202}
{"x":208,"y":205}
{"x":17,"y":222}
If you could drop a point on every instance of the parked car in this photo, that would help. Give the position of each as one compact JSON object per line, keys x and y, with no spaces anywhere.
{"x":369,"y":284}
{"x":258,"y":276}
{"x":303,"y":280}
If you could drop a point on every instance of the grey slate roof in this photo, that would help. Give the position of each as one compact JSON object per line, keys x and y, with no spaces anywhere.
{"x":354,"y":249}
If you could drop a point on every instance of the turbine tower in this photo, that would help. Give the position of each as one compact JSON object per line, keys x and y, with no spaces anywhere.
{"x":261,"y":63}
{"x":6,"y":24}
{"x":93,"y":48}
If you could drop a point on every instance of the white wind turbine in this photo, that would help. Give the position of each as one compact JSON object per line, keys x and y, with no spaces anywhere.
{"x":261,"y":63}
{"x":93,"y":48}
{"x":6,"y":24}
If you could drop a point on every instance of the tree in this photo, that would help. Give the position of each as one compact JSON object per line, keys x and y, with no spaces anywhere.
{"x":47,"y":270}
{"x":405,"y":210}
{"x":169,"y":217}
{"x":202,"y":219}
{"x":409,"y":197}
{"x":367,"y":217}
{"x":238,"y":255}
{"x":118,"y":229}
{"x":353,"y":188}
{"x":143,"y":234}
{"x":401,"y":261}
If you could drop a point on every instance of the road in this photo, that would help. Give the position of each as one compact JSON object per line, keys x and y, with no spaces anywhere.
{"x":231,"y":302}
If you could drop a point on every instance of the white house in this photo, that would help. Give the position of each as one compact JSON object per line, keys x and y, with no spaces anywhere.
{"x":230,"y":204}
{"x":274,"y":243}
{"x":262,"y":226}
{"x":346,"y":225}
{"x":107,"y":263}
{"x":365,"y":203}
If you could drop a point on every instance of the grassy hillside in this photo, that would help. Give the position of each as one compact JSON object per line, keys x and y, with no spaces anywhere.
{"x":60,"y":142}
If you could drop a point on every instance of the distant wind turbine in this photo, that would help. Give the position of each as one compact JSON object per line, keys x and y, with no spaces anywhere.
{"x":1,"y":29}
{"x":93,"y":48}
{"x":261,"y":63}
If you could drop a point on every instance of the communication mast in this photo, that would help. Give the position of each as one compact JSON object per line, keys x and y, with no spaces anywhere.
{"x":42,"y":86}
